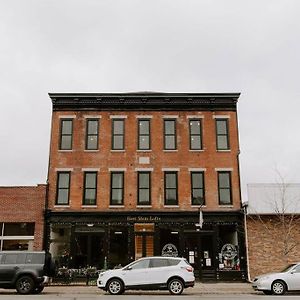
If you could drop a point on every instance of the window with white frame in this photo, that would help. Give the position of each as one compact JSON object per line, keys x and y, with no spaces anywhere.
{"x":17,"y":236}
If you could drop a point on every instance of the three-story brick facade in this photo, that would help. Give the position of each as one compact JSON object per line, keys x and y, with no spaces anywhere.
{"x":136,"y":174}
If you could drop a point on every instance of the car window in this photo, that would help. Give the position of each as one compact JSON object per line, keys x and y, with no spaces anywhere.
{"x":10,"y":259}
{"x":296,"y":269}
{"x":35,"y":258}
{"x":173,"y":262}
{"x":159,"y":262}
{"x":21,"y":258}
{"x":142,"y":264}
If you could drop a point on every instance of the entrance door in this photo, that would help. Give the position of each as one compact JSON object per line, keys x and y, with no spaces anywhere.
{"x":199,"y":252}
{"x":207,"y":260}
{"x":143,"y":245}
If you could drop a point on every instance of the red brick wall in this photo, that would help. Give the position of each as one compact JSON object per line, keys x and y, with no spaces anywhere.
{"x":104,"y":159}
{"x":265,"y":244}
{"x":24,"y":204}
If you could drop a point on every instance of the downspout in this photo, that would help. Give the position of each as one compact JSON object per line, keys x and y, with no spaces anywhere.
{"x":243,"y":208}
{"x":46,"y":212}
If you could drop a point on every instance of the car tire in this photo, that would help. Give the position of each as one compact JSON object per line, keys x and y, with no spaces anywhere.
{"x":175,"y":286}
{"x":267,"y":292}
{"x":38,"y":289}
{"x":25,"y":285}
{"x":278,"y":287}
{"x":115,"y":286}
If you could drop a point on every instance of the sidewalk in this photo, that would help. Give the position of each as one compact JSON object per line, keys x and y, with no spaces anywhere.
{"x":199,"y":289}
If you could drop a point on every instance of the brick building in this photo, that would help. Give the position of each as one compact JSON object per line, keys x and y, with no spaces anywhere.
{"x":22,"y":217}
{"x":273,"y":227}
{"x":131,"y":173}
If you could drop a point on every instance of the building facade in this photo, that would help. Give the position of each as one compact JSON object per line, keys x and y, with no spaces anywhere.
{"x":273,"y":227}
{"x":141,"y":174}
{"x":22,"y":211}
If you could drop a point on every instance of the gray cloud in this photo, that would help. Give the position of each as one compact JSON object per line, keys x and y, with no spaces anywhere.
{"x":250,"y":47}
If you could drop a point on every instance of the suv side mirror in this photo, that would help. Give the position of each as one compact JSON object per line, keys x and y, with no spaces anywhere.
{"x":128,"y":268}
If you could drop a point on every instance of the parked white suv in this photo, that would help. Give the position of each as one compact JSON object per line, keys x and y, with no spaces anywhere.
{"x":149,"y":273}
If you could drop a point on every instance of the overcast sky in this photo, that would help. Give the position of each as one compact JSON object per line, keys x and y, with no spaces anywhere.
{"x":252,"y":47}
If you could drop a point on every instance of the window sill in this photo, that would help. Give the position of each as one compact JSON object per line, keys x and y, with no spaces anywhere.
{"x":200,"y":150}
{"x":228,"y":150}
{"x":175,"y":150}
{"x":123,"y":150}
{"x":116,"y":206}
{"x":89,"y":206}
{"x":149,"y":150}
{"x":144,"y":206}
{"x":61,"y":206}
{"x":91,"y":150}
{"x":65,"y":150}
{"x":198,"y":206}
{"x":226,"y":205}
{"x":171,"y":206}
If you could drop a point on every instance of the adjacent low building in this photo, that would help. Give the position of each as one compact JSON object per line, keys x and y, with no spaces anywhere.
{"x":22,"y":217}
{"x":141,"y":174}
{"x":273,"y":227}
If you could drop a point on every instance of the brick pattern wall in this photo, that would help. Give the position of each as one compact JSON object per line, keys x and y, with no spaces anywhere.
{"x":25,"y":204}
{"x":266,"y":246}
{"x":104,"y":159}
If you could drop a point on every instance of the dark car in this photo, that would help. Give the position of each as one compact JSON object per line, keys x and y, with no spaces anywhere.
{"x":25,"y":271}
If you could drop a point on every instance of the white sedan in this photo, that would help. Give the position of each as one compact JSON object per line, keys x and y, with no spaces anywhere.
{"x":279,"y":283}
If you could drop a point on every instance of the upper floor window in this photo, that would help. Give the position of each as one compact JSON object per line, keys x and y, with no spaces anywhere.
{"x":143,"y":134}
{"x":144,"y":188}
{"x":170,"y":135}
{"x":90,"y":188}
{"x":224,"y":187}
{"x":118,"y":132}
{"x":117,"y":188}
{"x":92,"y":132}
{"x":195,"y":135}
{"x":63,"y":188}
{"x":222,"y":134}
{"x":171,"y":188}
{"x":197,"y":188}
{"x":66,"y":131}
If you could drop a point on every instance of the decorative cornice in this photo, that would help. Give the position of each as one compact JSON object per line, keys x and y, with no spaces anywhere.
{"x":144,"y":101}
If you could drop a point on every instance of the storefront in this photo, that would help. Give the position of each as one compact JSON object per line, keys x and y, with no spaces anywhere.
{"x":105,"y":240}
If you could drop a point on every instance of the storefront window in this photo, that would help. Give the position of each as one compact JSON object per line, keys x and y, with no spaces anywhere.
{"x":229,"y":252}
{"x":169,"y":242}
{"x":60,"y":244}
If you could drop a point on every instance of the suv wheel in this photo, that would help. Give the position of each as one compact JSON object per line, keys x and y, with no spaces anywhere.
{"x":25,"y":285}
{"x":175,"y":286}
{"x":115,"y":287}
